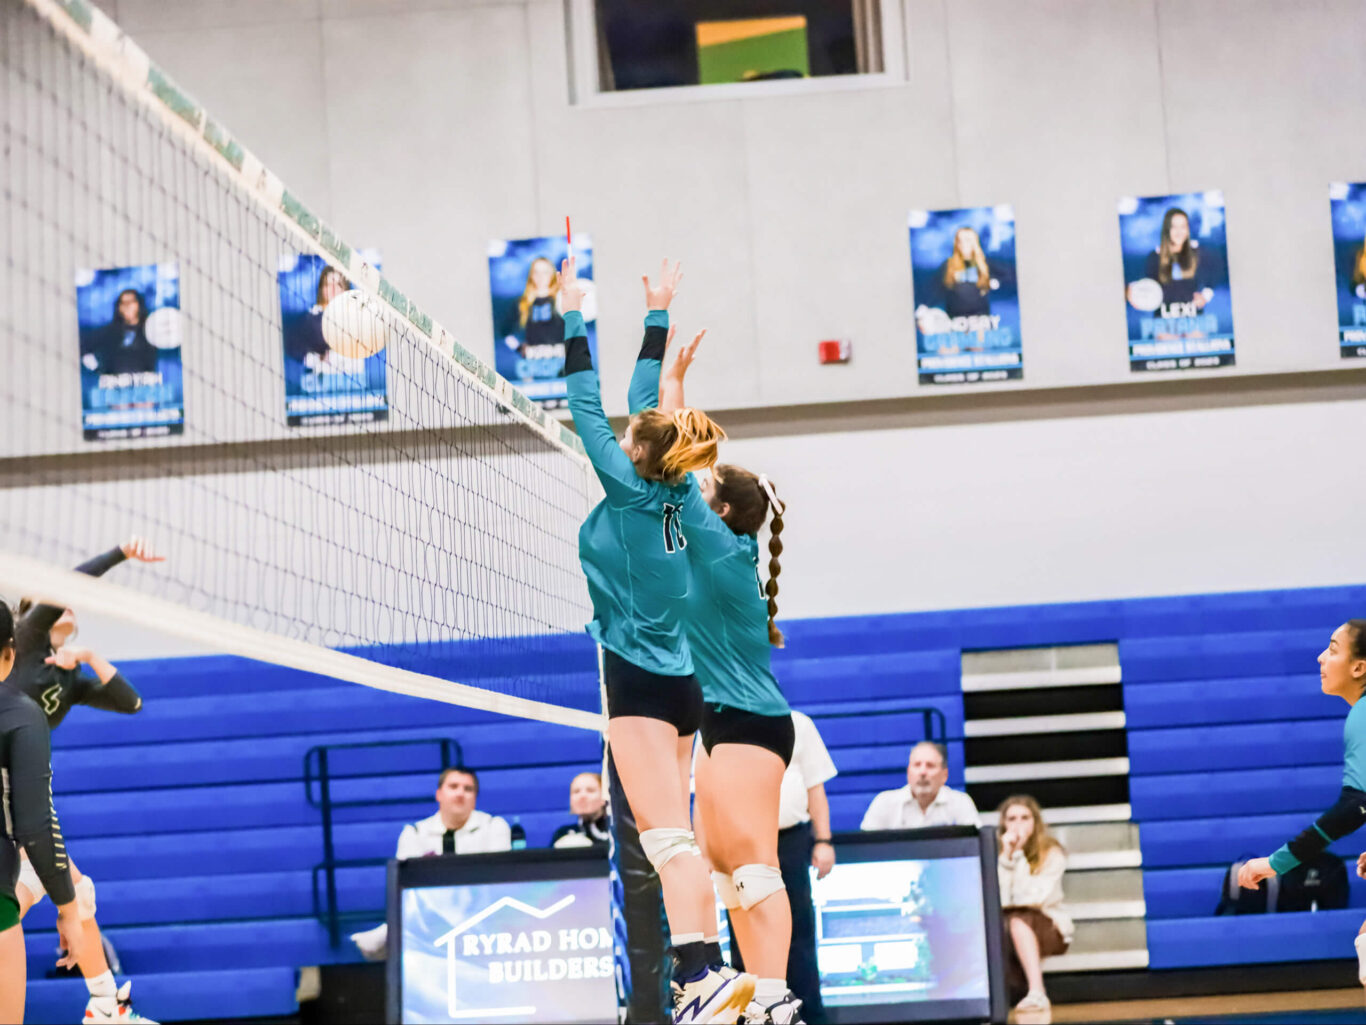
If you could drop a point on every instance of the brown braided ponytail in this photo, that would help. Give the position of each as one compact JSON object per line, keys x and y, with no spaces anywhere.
{"x":748,"y":499}
{"x":775,"y":549}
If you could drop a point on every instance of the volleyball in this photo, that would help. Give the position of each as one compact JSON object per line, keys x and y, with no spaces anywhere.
{"x":353,"y":325}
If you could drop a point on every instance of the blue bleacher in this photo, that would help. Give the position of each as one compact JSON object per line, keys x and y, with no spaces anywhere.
{"x":1233,"y":749}
{"x":191,"y":815}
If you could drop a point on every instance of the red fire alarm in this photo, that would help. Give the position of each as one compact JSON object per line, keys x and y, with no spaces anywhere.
{"x":834,"y":351}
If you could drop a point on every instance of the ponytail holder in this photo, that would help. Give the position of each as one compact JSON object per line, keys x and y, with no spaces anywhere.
{"x":767,"y":485}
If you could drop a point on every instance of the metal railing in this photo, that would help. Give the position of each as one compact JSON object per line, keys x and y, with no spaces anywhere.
{"x":325,"y":907}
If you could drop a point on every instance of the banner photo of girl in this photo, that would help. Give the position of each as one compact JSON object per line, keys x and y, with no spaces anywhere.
{"x":967,"y":313}
{"x":130,"y":333}
{"x":334,"y":339}
{"x":1176,"y":281}
{"x":524,"y":283}
{"x":1349,"y":255}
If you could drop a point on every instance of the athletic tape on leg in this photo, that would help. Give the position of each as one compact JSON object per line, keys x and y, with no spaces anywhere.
{"x":663,"y":845}
{"x":726,"y":892}
{"x":756,"y":883}
{"x":85,"y":898}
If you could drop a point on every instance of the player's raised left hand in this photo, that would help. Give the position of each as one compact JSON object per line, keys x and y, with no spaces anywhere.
{"x":139,"y":550}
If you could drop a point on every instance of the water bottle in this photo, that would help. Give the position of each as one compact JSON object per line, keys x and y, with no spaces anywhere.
{"x":518,"y":835}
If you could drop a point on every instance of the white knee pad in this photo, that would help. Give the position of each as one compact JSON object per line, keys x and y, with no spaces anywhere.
{"x":756,"y":882}
{"x":725,"y":890}
{"x":85,"y":898}
{"x":661,"y":846}
{"x":28,"y":879}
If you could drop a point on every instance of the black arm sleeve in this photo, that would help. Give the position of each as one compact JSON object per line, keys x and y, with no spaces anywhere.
{"x":118,"y":695}
{"x":652,"y":346}
{"x":39,"y":619}
{"x":36,"y":828}
{"x":103,"y":563}
{"x":1346,"y":816}
{"x":577,"y":355}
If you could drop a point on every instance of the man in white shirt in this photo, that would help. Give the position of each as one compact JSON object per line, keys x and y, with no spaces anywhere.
{"x":803,"y":844}
{"x":924,"y":800}
{"x":456,"y":828}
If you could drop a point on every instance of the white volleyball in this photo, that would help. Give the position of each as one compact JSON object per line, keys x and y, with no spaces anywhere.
{"x":354,"y":325}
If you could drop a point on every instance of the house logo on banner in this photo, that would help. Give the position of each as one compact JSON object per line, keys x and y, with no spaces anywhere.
{"x":529,"y":951}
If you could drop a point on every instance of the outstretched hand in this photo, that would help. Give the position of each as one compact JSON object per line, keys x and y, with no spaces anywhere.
{"x":661,"y":293}
{"x":571,"y":295}
{"x":139,"y":550}
{"x":1253,"y":872}
{"x":679,"y":368}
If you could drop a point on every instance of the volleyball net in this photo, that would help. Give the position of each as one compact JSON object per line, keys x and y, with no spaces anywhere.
{"x":192,"y":356}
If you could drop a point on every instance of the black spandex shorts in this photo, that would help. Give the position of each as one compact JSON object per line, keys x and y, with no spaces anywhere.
{"x":676,"y":700}
{"x":722,"y":724}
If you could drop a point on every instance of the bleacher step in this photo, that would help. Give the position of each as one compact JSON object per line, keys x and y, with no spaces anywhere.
{"x":1104,"y":910}
{"x":1082,"y":814}
{"x":1097,"y":961}
{"x":177,"y":996}
{"x":1082,"y":837}
{"x":1105,"y":884}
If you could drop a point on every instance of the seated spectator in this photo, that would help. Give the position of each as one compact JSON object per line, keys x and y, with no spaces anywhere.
{"x":586,"y":800}
{"x":456,"y":828}
{"x":1030,"y":868}
{"x":924,"y":800}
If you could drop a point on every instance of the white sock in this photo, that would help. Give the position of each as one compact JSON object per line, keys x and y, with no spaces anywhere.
{"x":686,"y":937}
{"x":712,"y":939}
{"x":1360,"y":943}
{"x":770,"y":991}
{"x":103,"y":985}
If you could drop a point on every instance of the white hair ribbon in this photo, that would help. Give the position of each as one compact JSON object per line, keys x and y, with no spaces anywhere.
{"x":767,"y":485}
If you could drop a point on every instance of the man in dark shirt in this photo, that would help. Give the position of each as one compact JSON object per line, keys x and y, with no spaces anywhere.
{"x":28,"y":821}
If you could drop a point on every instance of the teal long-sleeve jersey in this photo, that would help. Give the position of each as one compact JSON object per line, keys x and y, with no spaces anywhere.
{"x":631,"y":545}
{"x":1348,"y":814}
{"x":727,"y":610}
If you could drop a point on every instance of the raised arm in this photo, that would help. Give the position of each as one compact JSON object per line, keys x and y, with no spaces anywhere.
{"x":644,"y":390}
{"x":618,"y":475}
{"x":41,"y":618}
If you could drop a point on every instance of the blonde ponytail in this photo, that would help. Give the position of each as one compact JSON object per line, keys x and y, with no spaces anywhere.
{"x":676,"y":444}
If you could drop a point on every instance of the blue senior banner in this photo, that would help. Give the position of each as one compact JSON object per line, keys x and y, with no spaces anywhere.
{"x":1348,"y":204}
{"x":130,"y":329}
{"x":1176,"y":285}
{"x":528,"y":330}
{"x":967,"y":312}
{"x":335,"y":363}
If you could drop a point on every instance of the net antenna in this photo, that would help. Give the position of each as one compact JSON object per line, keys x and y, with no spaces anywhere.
{"x":374,"y":503}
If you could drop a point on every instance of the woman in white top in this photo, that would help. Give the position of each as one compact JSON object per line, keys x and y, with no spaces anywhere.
{"x":1030,"y":868}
